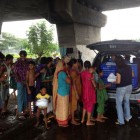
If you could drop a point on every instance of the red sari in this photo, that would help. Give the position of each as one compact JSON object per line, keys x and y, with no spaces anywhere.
{"x":88,"y":91}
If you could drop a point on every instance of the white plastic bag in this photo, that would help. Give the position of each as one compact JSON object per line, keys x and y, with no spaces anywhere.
{"x":111,"y":78}
{"x":42,"y":103}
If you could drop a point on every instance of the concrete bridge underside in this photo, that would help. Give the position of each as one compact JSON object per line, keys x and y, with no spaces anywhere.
{"x":78,"y":22}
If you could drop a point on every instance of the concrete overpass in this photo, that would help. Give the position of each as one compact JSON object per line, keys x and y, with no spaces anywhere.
{"x":78,"y":22}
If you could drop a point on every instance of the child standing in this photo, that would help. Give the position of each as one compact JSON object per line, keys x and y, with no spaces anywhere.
{"x":30,"y":82}
{"x":42,"y":103}
{"x":88,"y":94}
{"x":101,"y":97}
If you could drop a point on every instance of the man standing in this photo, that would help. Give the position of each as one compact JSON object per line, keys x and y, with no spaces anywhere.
{"x":20,"y":69}
{"x":5,"y":70}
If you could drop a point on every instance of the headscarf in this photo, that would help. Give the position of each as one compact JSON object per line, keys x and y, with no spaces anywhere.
{"x":59,"y":67}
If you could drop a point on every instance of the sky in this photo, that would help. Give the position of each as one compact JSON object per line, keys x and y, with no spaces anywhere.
{"x":121,"y":24}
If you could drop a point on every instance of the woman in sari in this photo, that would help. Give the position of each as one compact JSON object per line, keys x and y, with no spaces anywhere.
{"x":61,"y":91}
{"x":75,"y":88}
{"x":88,"y":92}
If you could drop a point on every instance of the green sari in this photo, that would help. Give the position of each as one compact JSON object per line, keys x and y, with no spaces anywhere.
{"x":101,"y":98}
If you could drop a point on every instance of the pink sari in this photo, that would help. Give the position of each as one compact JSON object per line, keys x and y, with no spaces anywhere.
{"x":88,"y":95}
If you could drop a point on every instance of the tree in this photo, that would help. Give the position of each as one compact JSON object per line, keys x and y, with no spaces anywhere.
{"x":10,"y":41}
{"x":40,"y":39}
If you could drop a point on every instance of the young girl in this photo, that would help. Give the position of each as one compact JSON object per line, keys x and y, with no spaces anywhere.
{"x":88,"y":94}
{"x":42,"y":103}
{"x":101,"y":97}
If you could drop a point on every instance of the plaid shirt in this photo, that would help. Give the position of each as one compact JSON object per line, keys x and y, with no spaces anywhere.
{"x":20,"y":69}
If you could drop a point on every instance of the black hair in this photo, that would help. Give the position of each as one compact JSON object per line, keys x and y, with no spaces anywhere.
{"x":32,"y":62}
{"x":43,"y":60}
{"x":87,"y":64}
{"x":57,"y":58}
{"x":48,"y":60}
{"x":80,"y":61}
{"x":127,"y":57}
{"x":2,"y":56}
{"x":120,"y":62}
{"x":9,"y":57}
{"x":42,"y":87}
{"x":99,"y":71}
{"x":72,"y":61}
{"x":23,"y":52}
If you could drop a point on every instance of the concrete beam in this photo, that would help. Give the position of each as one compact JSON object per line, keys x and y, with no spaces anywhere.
{"x":70,"y":11}
{"x":2,"y":8}
{"x":64,"y":9}
{"x":88,"y":16}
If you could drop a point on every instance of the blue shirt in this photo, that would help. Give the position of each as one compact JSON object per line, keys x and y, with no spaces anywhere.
{"x":63,"y":86}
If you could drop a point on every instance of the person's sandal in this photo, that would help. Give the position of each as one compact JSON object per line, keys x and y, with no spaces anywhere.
{"x":120,"y":124}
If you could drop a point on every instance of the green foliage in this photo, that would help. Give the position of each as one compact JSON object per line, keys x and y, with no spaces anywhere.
{"x":39,"y":42}
{"x":40,"y":39}
{"x":10,"y":41}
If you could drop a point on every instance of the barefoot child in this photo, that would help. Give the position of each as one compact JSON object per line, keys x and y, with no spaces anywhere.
{"x":88,"y":95}
{"x":30,"y":82}
{"x":42,"y":103}
{"x":101,"y":97}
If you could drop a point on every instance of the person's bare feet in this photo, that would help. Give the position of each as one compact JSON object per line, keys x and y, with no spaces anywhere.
{"x":75,"y":123}
{"x":103,"y":117}
{"x":93,"y":119}
{"x":90,"y":123}
{"x":82,"y":121}
{"x":99,"y":120}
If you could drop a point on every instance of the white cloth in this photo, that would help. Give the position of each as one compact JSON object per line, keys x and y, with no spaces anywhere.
{"x":42,"y":103}
{"x":111,"y":77}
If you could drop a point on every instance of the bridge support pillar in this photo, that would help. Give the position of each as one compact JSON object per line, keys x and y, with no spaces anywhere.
{"x":77,"y":26}
{"x":74,"y":37}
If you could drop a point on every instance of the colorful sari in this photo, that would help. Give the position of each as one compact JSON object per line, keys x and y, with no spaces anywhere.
{"x":60,"y":103}
{"x":88,"y":91}
{"x":101,"y":97}
{"x":75,"y":89}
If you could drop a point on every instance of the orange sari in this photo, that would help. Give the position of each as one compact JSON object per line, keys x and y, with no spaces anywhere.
{"x":75,"y":89}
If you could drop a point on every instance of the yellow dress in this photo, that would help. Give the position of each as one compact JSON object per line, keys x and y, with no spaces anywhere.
{"x":39,"y":96}
{"x":42,"y":100}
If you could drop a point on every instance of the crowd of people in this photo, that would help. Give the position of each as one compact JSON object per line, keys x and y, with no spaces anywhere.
{"x":62,"y":88}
